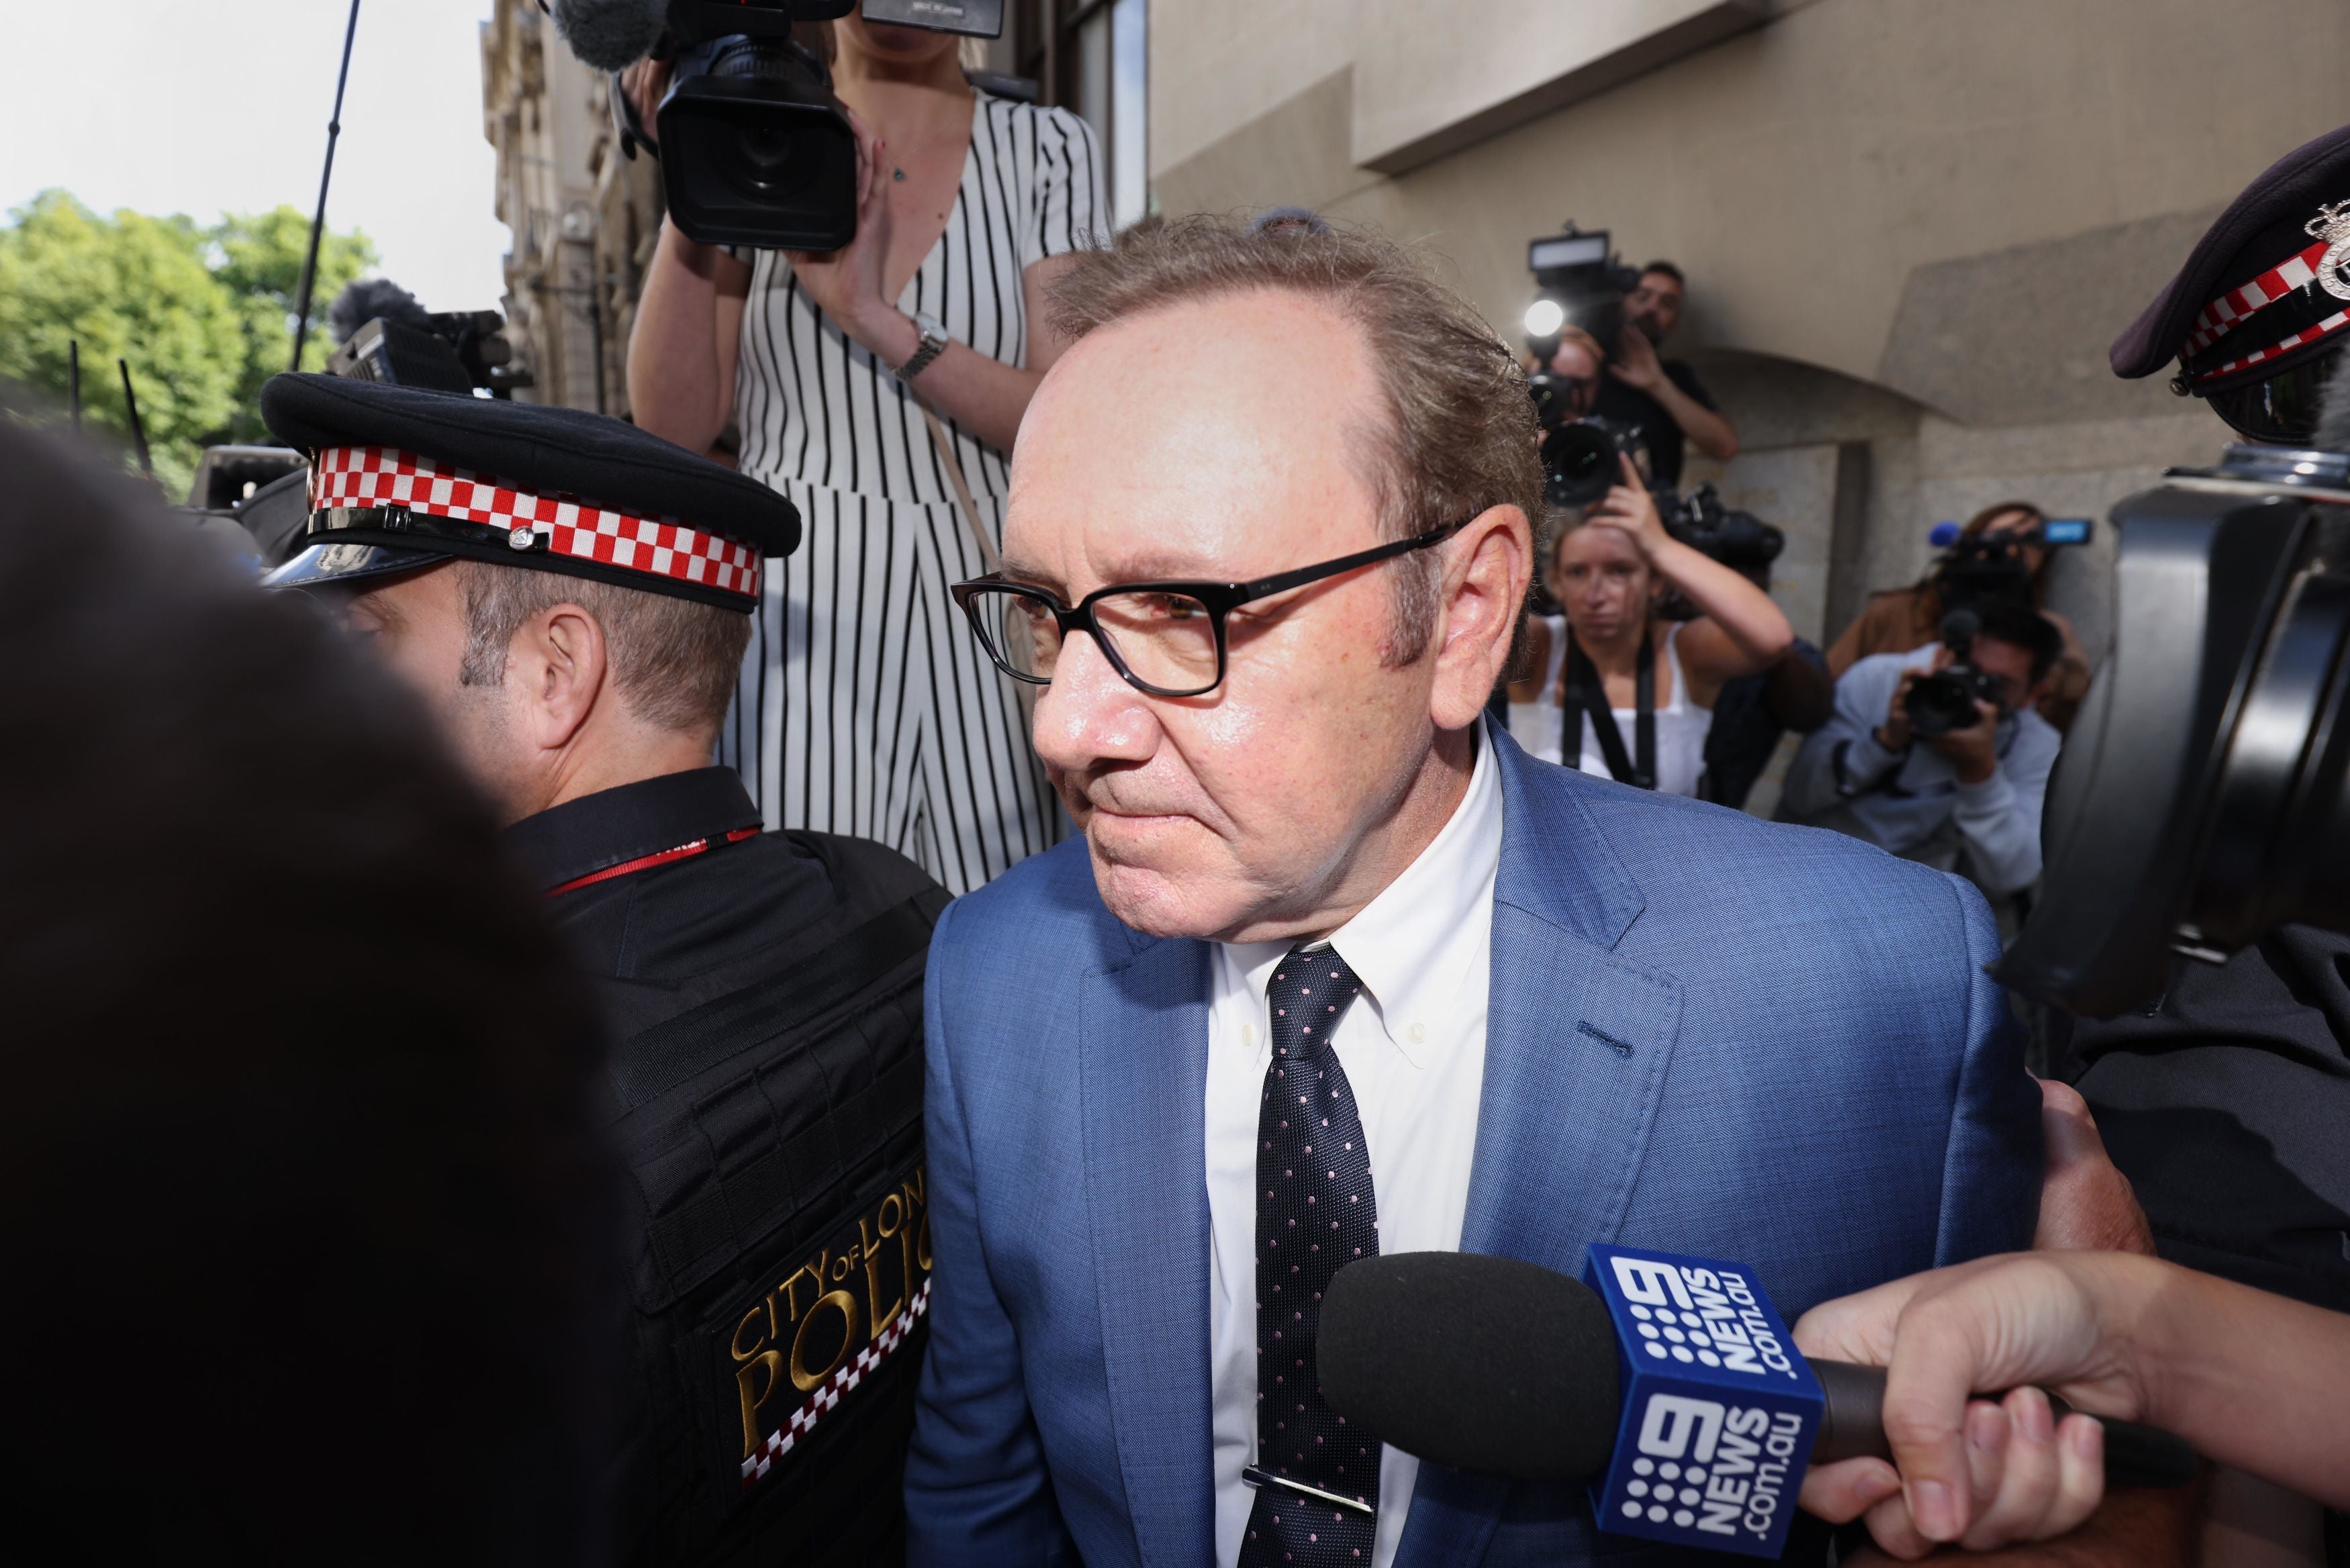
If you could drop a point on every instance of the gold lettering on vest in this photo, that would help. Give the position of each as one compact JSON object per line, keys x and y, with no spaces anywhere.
{"x":888,"y":1220}
{"x":771,"y":1364}
{"x":843,"y":1303}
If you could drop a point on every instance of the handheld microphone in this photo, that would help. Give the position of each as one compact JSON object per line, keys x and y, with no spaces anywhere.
{"x":1668,"y":1383}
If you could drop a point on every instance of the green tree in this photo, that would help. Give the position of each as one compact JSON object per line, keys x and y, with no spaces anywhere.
{"x":203,"y":315}
{"x":260,"y":262}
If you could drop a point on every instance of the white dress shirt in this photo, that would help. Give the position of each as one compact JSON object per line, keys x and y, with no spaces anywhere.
{"x":1413,"y":1048}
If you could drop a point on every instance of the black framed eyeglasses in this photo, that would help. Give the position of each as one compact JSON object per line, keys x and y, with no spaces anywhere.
{"x":1165,"y":639}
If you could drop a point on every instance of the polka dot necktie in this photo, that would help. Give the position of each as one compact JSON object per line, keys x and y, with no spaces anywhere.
{"x":1314,"y":1213}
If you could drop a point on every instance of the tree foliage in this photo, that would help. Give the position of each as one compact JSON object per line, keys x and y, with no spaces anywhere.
{"x":203,"y":315}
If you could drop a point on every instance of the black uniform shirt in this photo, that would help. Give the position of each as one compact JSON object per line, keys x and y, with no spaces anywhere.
{"x":753,"y":1149}
{"x":669,"y":934}
{"x":1625,"y":405}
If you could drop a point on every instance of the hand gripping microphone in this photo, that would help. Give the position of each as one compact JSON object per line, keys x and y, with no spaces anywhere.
{"x":1668,"y":1383}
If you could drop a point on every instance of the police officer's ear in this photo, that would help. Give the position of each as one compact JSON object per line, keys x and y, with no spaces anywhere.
{"x":559,"y":667}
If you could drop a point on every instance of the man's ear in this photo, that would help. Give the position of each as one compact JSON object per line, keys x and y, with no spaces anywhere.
{"x":1484,"y":591}
{"x":558,"y":668}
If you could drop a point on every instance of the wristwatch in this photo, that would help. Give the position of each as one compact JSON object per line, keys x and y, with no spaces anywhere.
{"x":934,"y":343}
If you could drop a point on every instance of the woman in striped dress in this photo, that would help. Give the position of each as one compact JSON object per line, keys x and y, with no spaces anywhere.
{"x":864,"y":707}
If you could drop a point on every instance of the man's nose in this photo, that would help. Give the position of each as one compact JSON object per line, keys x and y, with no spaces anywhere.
{"x":1090,"y":714}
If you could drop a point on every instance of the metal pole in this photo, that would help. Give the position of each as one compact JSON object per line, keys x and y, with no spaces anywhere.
{"x":319,"y":221}
{"x":137,"y":430}
{"x":595,"y":333}
{"x":73,"y":380}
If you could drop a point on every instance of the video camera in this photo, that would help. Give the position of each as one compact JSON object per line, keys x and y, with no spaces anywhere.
{"x":442,"y":351}
{"x":1945,"y":700}
{"x":1981,"y":566}
{"x":1580,"y":283}
{"x":755,"y":148}
{"x":2203,"y":798}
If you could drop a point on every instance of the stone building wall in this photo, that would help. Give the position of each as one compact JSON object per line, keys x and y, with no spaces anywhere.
{"x":585,"y":219}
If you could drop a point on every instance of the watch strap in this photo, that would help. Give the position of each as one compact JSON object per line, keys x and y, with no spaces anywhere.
{"x":933,"y":344}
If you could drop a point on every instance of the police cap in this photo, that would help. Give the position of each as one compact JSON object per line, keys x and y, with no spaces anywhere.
{"x":403,"y":478}
{"x":2265,"y":291}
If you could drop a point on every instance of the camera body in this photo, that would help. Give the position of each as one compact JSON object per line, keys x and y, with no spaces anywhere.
{"x":441,"y":351}
{"x":1945,"y":700}
{"x":1983,"y":567}
{"x":1739,"y":540}
{"x":755,"y":148}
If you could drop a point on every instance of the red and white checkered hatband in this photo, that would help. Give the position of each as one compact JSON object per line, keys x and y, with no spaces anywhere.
{"x":2223,"y":314}
{"x":366,"y":477}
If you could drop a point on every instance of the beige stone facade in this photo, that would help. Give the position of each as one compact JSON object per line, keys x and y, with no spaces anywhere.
{"x":1911,"y":226}
{"x":584,"y":218}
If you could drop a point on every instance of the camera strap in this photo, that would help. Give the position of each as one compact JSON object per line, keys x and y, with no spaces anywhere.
{"x":991,"y":559}
{"x":1588,"y":693}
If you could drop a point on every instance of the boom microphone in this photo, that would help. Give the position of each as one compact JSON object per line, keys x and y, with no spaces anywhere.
{"x":610,"y":34}
{"x":1668,"y":1383}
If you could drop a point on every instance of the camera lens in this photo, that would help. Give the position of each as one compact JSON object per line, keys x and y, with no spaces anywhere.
{"x":1939,"y":704}
{"x":1578,"y":460}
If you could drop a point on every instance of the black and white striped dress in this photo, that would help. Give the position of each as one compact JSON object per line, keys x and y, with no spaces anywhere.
{"x":866,"y":706}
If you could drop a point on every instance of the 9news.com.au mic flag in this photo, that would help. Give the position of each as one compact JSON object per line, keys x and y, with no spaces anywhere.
{"x":1719,"y":1414}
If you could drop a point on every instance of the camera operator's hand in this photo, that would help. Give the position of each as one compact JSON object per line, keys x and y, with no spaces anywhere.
{"x":1631,"y":510}
{"x":1893,"y":733}
{"x":846,"y":284}
{"x":643,"y":84}
{"x":1635,"y":363}
{"x":1974,"y":749}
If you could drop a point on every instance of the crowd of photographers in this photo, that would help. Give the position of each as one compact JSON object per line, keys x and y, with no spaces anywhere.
{"x":1930,"y":725}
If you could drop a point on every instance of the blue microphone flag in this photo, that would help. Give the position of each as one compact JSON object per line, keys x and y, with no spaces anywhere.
{"x":1720,"y":1411}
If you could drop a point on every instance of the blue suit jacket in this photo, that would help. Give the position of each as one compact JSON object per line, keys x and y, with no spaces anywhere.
{"x":1707,"y":1032}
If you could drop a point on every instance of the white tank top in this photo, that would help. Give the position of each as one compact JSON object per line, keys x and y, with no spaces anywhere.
{"x":1681,"y":724}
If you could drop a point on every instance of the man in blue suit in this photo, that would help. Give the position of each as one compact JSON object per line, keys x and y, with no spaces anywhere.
{"x":1337,"y":970}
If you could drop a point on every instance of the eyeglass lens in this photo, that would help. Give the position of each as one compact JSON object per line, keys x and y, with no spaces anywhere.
{"x":1165,"y":640}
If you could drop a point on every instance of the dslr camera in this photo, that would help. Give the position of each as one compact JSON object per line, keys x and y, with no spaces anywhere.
{"x":754,"y":148}
{"x":1739,"y":540}
{"x":1944,"y":700}
{"x":1579,"y":454}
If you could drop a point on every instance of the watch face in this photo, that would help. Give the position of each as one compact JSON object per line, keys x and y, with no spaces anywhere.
{"x":929,"y":326}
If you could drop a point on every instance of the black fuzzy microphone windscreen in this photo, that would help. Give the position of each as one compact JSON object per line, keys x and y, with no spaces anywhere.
{"x":1483,"y":1364}
{"x":610,"y":34}
{"x":365,"y":299}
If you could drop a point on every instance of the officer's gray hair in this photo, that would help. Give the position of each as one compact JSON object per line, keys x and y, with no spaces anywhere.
{"x":674,"y":661}
{"x":1459,"y":429}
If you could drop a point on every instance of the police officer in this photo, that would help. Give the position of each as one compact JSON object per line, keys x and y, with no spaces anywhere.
{"x":2226,"y":1103}
{"x":571,"y":597}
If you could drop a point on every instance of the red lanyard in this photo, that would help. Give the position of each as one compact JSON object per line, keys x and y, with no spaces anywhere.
{"x":659,"y":857}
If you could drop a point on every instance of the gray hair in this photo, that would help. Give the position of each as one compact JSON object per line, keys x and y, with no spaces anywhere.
{"x":1460,"y":433}
{"x":674,"y":661}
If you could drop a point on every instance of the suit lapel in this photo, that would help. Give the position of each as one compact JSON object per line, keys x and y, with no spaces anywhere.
{"x":1576,"y":1045}
{"x":1143,"y":1081}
